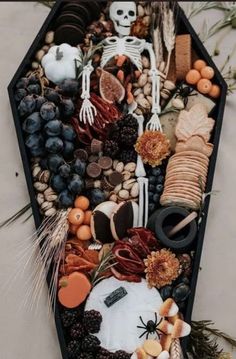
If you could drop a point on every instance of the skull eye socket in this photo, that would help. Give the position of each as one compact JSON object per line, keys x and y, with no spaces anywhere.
{"x":120,"y":12}
{"x":131,"y":13}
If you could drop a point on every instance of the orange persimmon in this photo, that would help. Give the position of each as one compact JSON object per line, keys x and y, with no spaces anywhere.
{"x":87,"y":217}
{"x":204,"y":86}
{"x":199,"y":64}
{"x":193,"y":76}
{"x":82,"y":202}
{"x":207,"y":72}
{"x":215,"y":91}
{"x":84,"y":233}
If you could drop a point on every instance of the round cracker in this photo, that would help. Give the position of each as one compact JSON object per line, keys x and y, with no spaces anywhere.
{"x":177,"y":169}
{"x":186,"y":175}
{"x":182,"y":193}
{"x":192,"y":154}
{"x":188,"y":162}
{"x":182,"y":182}
{"x":188,"y":188}
{"x":167,"y":201}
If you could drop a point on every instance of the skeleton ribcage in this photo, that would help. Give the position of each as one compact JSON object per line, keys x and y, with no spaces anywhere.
{"x":130,"y":46}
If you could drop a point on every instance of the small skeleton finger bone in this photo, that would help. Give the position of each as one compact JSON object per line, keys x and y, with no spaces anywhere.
{"x":143,"y":201}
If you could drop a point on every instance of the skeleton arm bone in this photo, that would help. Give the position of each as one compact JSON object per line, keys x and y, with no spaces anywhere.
{"x":87,"y":111}
{"x":154,"y":73}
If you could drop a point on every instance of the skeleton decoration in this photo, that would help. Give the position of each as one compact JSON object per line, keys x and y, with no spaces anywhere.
{"x":123,"y":14}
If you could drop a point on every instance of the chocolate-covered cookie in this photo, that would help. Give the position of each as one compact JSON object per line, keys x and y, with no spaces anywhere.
{"x":69,"y":18}
{"x":70,"y":34}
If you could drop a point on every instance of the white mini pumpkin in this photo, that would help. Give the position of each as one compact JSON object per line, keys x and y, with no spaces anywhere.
{"x":59,"y":63}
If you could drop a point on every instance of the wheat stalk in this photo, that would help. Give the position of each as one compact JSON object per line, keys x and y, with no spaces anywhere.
{"x":168,"y":30}
{"x":176,"y":350}
{"x":156,"y":32}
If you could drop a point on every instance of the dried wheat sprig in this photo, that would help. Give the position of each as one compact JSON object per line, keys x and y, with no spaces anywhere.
{"x":168,"y":24}
{"x":176,"y":350}
{"x":156,"y":32}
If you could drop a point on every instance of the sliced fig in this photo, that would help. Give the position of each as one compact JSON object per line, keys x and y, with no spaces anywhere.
{"x":111,"y":90}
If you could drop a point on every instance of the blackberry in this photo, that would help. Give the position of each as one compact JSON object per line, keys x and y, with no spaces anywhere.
{"x":85,"y":356}
{"x":77,"y":331}
{"x":114,"y":132}
{"x":128,"y":156}
{"x":104,"y":354}
{"x":69,"y":317}
{"x":121,"y":354}
{"x":130,"y":121}
{"x":92,"y":321}
{"x":128,"y":136}
{"x":90,"y":344}
{"x":73,"y":349}
{"x":110,"y":148}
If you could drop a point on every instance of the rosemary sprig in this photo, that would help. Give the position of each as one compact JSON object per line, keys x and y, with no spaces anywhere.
{"x":105,"y":264}
{"x":16,"y":216}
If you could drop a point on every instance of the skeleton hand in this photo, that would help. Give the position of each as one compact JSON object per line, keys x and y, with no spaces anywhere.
{"x":88,"y":110}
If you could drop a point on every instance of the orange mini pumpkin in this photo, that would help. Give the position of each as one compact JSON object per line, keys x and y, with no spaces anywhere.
{"x":204,"y":86}
{"x":199,"y":64}
{"x":74,"y":289}
{"x":193,"y":76}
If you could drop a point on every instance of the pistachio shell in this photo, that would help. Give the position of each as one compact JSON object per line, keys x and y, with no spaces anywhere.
{"x":40,"y":198}
{"x":49,"y":38}
{"x":50,"y":212}
{"x":134,"y":190}
{"x":143,"y":102}
{"x":149,"y":98}
{"x":138,"y":111}
{"x":40,"y":187}
{"x":51,"y":197}
{"x":36,"y":171}
{"x":131,"y":166}
{"x":107,"y":172}
{"x":46,"y":205}
{"x":165,"y":94}
{"x":147,"y":89}
{"x":49,"y":191}
{"x":137,"y":92}
{"x":145,"y":62}
{"x":119,"y":167}
{"x":113,"y":197}
{"x":141,"y":11}
{"x":39,"y":55}
{"x":115,"y":163}
{"x":169,"y":85}
{"x":135,"y":85}
{"x":140,"y":96}
{"x":117,"y":188}
{"x":123,"y":194}
{"x":44,"y":176}
{"x":178,"y":103}
{"x":147,"y":20}
{"x":126,"y":175}
{"x":162,"y":66}
{"x":35,"y":65}
{"x":142,"y":80}
{"x":128,"y":184}
{"x":149,"y":79}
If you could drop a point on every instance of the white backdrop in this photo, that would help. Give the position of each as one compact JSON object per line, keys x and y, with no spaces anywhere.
{"x":25,"y":335}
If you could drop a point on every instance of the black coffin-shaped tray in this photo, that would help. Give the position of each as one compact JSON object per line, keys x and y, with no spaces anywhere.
{"x":183,"y":27}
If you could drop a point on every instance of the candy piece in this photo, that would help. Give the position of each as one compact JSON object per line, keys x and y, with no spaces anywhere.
{"x":164,"y":355}
{"x":180,"y":329}
{"x":199,"y":64}
{"x":73,"y":289}
{"x":193,"y":76}
{"x":93,"y":170}
{"x":82,"y":202}
{"x":76,"y":216}
{"x":152,"y":347}
{"x":81,"y":154}
{"x":215,"y":91}
{"x":169,"y":308}
{"x":84,"y":233}
{"x":96,"y":146}
{"x":141,"y":354}
{"x":204,"y":86}
{"x":207,"y":72}
{"x":165,"y":327}
{"x":165,"y":342}
{"x":115,"y":178}
{"x":105,"y":162}
{"x":115,"y":296}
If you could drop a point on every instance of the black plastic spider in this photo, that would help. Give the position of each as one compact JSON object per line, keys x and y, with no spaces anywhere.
{"x":151,"y":327}
{"x":184,"y":92}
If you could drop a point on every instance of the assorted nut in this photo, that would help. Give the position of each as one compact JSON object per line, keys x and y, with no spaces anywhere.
{"x":46,"y":197}
{"x":49,"y":38}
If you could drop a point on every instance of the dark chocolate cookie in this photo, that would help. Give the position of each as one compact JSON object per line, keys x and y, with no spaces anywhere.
{"x":68,"y":18}
{"x":80,"y":10}
{"x":70,"y":34}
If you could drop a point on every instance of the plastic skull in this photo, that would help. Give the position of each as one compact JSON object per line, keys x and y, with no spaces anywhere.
{"x":123,"y":14}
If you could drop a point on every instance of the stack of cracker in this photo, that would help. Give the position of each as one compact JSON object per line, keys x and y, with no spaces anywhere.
{"x":186,"y":172}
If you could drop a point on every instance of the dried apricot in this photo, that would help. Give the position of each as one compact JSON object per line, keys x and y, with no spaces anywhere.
{"x":193,"y":76}
{"x":82,"y":202}
{"x":207,"y":72}
{"x":204,"y":86}
{"x":76,"y":216}
{"x":84,"y":233}
{"x":199,"y":64}
{"x":215,"y":91}
{"x":87,"y":217}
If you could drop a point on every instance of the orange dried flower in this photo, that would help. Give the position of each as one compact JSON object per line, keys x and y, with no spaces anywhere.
{"x":162,"y":268}
{"x":153,"y":147}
